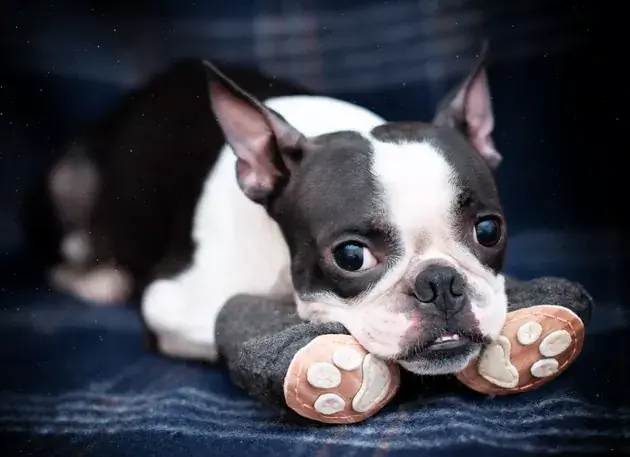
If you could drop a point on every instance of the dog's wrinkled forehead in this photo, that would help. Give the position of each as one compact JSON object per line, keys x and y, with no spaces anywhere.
{"x":350,"y":179}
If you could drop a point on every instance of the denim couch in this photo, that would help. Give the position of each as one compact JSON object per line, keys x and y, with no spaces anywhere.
{"x":78,"y":381}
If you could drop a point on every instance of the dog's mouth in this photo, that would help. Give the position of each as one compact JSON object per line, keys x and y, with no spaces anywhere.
{"x":445,"y":347}
{"x":447,"y":343}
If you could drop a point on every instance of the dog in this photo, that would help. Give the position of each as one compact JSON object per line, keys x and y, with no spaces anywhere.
{"x":195,"y":190}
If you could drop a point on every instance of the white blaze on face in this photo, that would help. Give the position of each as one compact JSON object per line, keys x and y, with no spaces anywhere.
{"x":419,"y":193}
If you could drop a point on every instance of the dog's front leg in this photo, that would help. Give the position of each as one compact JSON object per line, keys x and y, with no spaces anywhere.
{"x":258,"y":337}
{"x":315,"y":369}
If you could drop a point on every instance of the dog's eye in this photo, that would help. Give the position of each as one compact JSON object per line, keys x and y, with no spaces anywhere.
{"x":353,"y":256}
{"x":488,"y":231}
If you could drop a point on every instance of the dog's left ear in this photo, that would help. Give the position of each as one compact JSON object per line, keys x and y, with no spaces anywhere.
{"x":469,"y":109}
{"x":266,"y":145}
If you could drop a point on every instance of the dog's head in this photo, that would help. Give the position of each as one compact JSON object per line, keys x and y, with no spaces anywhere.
{"x":397,"y":233}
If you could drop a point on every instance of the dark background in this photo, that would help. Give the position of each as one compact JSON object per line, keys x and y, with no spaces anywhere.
{"x":558,"y":78}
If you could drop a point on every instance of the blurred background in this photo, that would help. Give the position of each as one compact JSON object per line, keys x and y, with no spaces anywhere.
{"x":557,"y":78}
{"x":557,"y":74}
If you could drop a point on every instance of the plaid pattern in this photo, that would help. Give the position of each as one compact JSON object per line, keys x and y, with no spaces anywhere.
{"x":77,"y":381}
{"x":82,"y":383}
{"x":330,"y":46}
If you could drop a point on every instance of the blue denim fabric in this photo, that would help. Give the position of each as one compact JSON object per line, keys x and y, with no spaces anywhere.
{"x":77,"y":381}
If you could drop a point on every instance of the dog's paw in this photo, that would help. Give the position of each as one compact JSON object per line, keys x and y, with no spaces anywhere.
{"x":178,"y":330}
{"x":99,"y":286}
{"x":536,"y":345}
{"x":334,"y":380}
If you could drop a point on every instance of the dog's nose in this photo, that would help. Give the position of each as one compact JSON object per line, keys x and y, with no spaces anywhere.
{"x":441,"y":286}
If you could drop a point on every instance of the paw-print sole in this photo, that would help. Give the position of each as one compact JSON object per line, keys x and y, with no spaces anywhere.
{"x":536,"y":345}
{"x":334,"y":380}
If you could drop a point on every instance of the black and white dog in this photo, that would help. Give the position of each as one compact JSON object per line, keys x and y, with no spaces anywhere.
{"x":196,"y":189}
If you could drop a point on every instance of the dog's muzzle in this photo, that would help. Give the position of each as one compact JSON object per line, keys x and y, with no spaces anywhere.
{"x":440,"y":293}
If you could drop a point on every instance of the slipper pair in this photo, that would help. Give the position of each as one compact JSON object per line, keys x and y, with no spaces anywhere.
{"x":335,"y":380}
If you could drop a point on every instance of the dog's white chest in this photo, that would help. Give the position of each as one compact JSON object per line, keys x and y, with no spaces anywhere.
{"x":239,"y":248}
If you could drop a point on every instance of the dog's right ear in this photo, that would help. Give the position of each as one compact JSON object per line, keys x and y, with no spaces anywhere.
{"x":264,"y":143}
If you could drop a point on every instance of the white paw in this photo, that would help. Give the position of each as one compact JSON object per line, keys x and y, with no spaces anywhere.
{"x":101,"y":285}
{"x":163,"y":304}
{"x":182,"y":329}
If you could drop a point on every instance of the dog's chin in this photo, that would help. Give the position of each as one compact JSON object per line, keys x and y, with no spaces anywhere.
{"x":441,"y":358}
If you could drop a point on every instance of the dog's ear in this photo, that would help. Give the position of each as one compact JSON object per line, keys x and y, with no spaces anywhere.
{"x":469,"y":109}
{"x":264,"y":143}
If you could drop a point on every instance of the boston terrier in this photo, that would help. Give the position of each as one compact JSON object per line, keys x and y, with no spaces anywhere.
{"x":195,"y":191}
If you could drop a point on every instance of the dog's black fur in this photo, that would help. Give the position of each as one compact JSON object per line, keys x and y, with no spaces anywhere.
{"x":148,"y":227}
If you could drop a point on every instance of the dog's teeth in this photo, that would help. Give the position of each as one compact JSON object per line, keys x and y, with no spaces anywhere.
{"x":447,"y":338}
